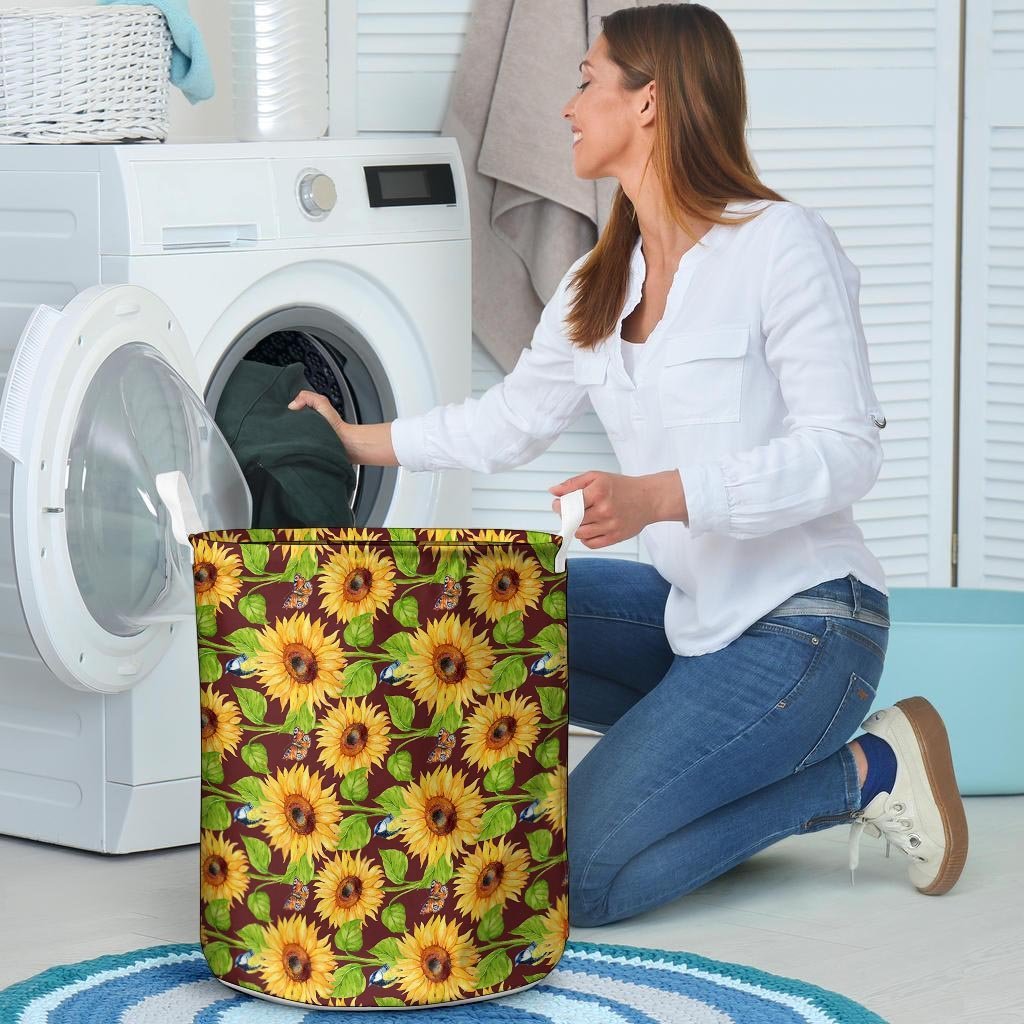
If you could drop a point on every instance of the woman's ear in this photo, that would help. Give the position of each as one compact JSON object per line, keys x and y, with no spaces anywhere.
{"x":648,"y":104}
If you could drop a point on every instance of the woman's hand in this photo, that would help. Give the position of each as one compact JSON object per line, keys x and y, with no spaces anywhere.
{"x":322,"y":404}
{"x":617,"y":507}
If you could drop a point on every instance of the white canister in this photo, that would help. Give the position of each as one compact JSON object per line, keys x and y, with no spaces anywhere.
{"x":279,"y":50}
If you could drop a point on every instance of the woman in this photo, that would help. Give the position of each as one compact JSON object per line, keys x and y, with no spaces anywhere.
{"x":716,"y":329}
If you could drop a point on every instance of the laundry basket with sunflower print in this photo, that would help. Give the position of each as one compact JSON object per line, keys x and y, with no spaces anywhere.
{"x":384,"y":730}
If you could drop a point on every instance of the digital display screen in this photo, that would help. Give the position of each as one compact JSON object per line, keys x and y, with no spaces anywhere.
{"x":410,"y":185}
{"x":405,"y":183}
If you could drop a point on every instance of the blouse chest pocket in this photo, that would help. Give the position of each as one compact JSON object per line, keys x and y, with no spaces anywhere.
{"x":702,"y":377}
{"x":590,"y":370}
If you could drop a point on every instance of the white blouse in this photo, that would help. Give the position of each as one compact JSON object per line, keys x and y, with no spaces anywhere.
{"x":755,"y":387}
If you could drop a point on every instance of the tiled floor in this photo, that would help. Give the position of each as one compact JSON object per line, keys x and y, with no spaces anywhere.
{"x":791,"y":910}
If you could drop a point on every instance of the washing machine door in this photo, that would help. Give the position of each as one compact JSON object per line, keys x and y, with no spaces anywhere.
{"x":102,"y":397}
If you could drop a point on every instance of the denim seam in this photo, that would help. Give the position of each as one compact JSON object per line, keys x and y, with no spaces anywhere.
{"x":675,"y":778}
{"x":824,"y":606}
{"x":618,"y":618}
{"x":852,"y":634}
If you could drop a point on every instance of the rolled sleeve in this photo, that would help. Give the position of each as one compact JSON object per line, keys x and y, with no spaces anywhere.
{"x":831,"y":454}
{"x":513,"y":421}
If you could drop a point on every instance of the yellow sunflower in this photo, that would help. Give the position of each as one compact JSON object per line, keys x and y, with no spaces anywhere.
{"x":348,"y":888}
{"x":448,"y":663}
{"x":441,"y":815}
{"x":356,"y":582}
{"x":556,"y":926}
{"x":315,"y":533}
{"x":220,"y":719}
{"x":223,"y":869}
{"x":436,"y":963}
{"x":553,"y":804}
{"x":501,"y":727}
{"x":298,"y":664}
{"x":489,"y":876}
{"x":353,"y":735}
{"x":504,"y":580}
{"x":295,"y":963}
{"x":298,"y":813}
{"x":215,"y":572}
{"x":450,"y":536}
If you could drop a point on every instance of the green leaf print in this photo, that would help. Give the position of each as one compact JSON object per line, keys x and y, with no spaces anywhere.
{"x":353,"y":832}
{"x":249,"y":790}
{"x":453,"y":564}
{"x":206,"y":619}
{"x":496,"y":821}
{"x":259,"y":854}
{"x":533,"y":929}
{"x":348,"y":981}
{"x":552,"y":701}
{"x":551,"y":638}
{"x":254,"y":608}
{"x":209,"y":667}
{"x":255,"y":557}
{"x":307,"y":564}
{"x":403,"y":711}
{"x":214,"y":814}
{"x":252,"y":703}
{"x":261,"y":536}
{"x":508,"y":674}
{"x":398,"y":645}
{"x":218,"y":956}
{"x":544,"y":548}
{"x":212,"y":769}
{"x":359,"y":679}
{"x":255,"y":756}
{"x":536,"y":895}
{"x":508,"y":629}
{"x":386,"y":951}
{"x":547,"y":752}
{"x":359,"y":632}
{"x":218,"y":915}
{"x":407,"y":558}
{"x":301,"y":718}
{"x":253,"y":936}
{"x":554,"y":604}
{"x":407,"y":611}
{"x":259,"y":905}
{"x":450,"y":718}
{"x":349,"y":937}
{"x":394,"y":918}
{"x":540,"y":843}
{"x":492,"y":925}
{"x":501,"y":776}
{"x":245,"y":640}
{"x":493,"y":969}
{"x":440,"y":871}
{"x":392,"y":800}
{"x":354,"y":786}
{"x":400,"y":766}
{"x":396,"y":864}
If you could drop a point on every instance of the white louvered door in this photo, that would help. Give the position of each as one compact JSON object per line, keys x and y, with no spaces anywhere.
{"x":854,"y":112}
{"x":991,"y":498}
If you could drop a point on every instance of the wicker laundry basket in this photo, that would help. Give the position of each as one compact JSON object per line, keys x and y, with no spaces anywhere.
{"x":83,"y":74}
{"x":384,"y":767}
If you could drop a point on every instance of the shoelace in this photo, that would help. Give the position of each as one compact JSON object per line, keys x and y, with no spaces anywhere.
{"x":897,"y":831}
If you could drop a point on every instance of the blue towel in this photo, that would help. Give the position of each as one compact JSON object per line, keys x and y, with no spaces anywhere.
{"x":190,"y":66}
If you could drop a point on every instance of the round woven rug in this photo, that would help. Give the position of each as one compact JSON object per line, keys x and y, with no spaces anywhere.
{"x":593,"y":982}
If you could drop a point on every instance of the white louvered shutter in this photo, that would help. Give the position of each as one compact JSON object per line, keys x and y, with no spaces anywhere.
{"x":991,"y":494}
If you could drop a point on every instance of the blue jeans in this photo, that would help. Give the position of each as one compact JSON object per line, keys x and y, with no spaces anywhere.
{"x":705,"y":760}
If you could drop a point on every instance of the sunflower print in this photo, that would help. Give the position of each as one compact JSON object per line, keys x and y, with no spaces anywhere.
{"x":215,"y":572}
{"x":357,"y":582}
{"x":223,"y":869}
{"x":353,"y":735}
{"x":220,"y":720}
{"x":491,"y":875}
{"x":383,"y":813}
{"x":295,"y":963}
{"x":502,"y":727}
{"x":435,"y":964}
{"x":299,"y":662}
{"x":298,"y":813}
{"x":504,"y":581}
{"x":449,"y":663}
{"x":442,"y":815}
{"x":349,"y":888}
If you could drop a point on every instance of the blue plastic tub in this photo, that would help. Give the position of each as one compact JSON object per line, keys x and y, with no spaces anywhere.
{"x":963,"y":649}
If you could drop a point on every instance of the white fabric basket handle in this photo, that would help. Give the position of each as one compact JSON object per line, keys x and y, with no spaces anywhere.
{"x":174,"y":491}
{"x":571,"y":507}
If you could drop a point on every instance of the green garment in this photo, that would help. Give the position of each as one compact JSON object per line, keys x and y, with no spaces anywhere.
{"x":296,"y":468}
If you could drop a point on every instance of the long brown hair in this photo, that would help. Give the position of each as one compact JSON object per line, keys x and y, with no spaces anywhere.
{"x":699,"y":152}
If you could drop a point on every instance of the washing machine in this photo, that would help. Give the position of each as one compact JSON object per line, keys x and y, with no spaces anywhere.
{"x":133,"y":281}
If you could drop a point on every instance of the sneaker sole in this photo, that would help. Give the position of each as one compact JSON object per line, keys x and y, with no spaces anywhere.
{"x":938,"y":762}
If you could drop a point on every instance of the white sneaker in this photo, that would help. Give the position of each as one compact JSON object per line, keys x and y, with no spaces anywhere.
{"x":923,"y":815}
